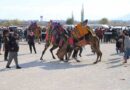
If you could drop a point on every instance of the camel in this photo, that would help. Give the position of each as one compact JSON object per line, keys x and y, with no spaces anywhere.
{"x":54,"y":33}
{"x":36,"y":30}
{"x":88,"y":39}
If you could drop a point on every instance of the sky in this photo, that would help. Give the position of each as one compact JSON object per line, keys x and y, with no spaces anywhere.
{"x":63,"y":9}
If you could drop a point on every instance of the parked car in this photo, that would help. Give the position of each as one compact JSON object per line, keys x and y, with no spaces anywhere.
{"x":14,"y":28}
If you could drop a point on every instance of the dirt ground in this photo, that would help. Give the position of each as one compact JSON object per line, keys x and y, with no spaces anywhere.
{"x":50,"y":74}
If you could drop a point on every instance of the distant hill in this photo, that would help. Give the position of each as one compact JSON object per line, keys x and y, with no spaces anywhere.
{"x":125,"y":18}
{"x":1,"y":20}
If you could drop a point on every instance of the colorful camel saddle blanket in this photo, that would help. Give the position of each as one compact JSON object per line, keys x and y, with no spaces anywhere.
{"x":80,"y":31}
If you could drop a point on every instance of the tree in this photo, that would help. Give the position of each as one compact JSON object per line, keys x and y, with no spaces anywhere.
{"x":70,"y":21}
{"x":16,"y":22}
{"x":104,"y":21}
{"x":7,"y":23}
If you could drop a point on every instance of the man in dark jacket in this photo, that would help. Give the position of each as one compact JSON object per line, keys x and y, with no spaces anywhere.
{"x":31,"y":42}
{"x":13,"y":51}
{"x":5,"y":44}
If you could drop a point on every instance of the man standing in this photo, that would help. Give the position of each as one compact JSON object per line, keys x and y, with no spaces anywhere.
{"x":13,"y":50}
{"x":31,"y":42}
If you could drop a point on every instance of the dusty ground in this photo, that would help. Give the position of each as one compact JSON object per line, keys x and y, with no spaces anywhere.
{"x":50,"y":74}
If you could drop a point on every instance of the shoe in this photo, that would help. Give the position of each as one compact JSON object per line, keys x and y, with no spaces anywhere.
{"x":8,"y":67}
{"x":6,"y":60}
{"x":18,"y":67}
{"x":80,"y":55}
{"x":124,"y":62}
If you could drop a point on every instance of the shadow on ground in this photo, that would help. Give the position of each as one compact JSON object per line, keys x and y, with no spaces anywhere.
{"x":21,"y":54}
{"x":114,"y":62}
{"x":90,"y":54}
{"x":52,"y":65}
{"x":120,"y":54}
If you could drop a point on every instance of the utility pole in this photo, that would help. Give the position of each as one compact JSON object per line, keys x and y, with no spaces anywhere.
{"x":82,"y":13}
{"x":72,"y":17}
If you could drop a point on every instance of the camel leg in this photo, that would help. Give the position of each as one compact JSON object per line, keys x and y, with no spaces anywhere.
{"x":96,"y":47}
{"x":51,"y":50}
{"x":80,"y":51}
{"x":68,"y":54}
{"x":75,"y":55}
{"x":96,"y":59}
{"x":46,"y":47}
{"x":66,"y":57}
{"x":100,"y":56}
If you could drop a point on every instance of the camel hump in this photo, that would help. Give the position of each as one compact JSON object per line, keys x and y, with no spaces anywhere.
{"x":81,"y":30}
{"x":91,"y":31}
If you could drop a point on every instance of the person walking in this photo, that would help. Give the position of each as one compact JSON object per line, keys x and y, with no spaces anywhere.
{"x":126,"y":46}
{"x":31,"y":42}
{"x":119,"y":44}
{"x":5,"y":44}
{"x":13,"y":51}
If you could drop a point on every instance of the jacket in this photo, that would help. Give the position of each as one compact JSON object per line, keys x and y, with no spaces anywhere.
{"x":13,"y":45}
